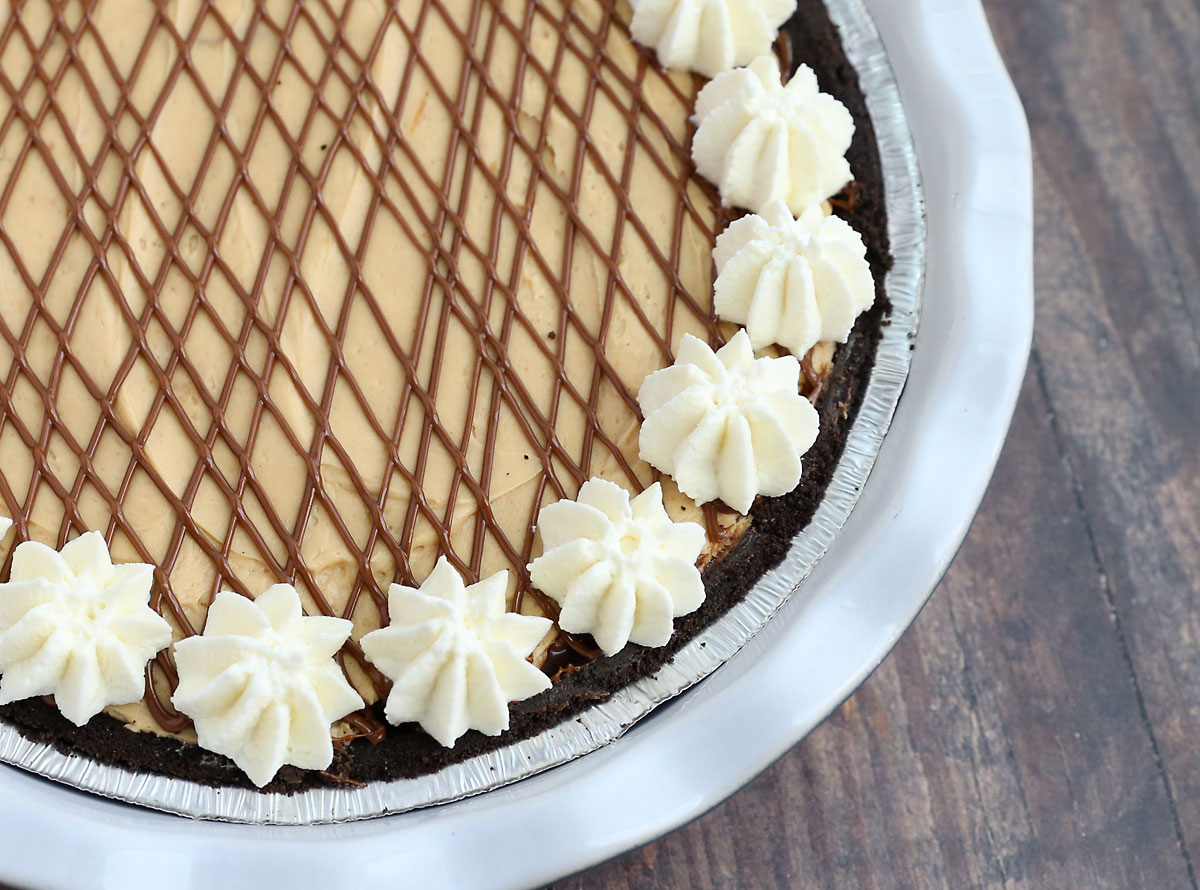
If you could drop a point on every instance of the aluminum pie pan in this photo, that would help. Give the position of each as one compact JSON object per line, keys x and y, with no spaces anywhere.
{"x":605,"y":722}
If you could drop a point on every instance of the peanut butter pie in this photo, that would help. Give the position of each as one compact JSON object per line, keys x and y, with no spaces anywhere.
{"x":383,"y":381}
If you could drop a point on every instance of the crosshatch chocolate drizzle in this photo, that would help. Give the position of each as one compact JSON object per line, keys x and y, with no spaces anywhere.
{"x":493,"y":317}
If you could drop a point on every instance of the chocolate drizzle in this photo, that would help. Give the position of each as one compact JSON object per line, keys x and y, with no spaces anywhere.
{"x":449,"y":244}
{"x":164,"y":715}
{"x":814,"y":381}
{"x":568,"y":652}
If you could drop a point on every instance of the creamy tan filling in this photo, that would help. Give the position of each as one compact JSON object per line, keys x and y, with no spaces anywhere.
{"x":264,"y":241}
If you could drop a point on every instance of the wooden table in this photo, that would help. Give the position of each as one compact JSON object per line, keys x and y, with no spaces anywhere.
{"x":1039,"y":726}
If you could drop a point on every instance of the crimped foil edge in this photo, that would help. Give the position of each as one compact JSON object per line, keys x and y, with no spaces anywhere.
{"x":607,"y":721}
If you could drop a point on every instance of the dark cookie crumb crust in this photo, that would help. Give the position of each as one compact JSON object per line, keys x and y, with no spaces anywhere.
{"x":407,"y":752}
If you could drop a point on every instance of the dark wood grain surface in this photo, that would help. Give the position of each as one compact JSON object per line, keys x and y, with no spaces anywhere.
{"x":1039,"y":726}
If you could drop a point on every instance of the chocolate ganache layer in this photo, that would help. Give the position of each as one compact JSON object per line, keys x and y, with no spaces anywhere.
{"x":318,"y":292}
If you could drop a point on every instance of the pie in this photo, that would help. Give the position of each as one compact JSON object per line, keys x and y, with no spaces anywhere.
{"x":314,"y":294}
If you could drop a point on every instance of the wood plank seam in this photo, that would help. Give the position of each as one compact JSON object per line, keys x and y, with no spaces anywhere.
{"x":1110,"y":602}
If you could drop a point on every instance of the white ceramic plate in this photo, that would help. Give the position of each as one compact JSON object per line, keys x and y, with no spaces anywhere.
{"x":931,"y":473}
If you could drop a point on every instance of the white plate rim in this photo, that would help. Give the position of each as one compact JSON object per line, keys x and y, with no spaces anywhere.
{"x":915,"y":510}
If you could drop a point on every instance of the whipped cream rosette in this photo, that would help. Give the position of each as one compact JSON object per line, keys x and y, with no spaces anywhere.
{"x":456,"y":657}
{"x":77,"y":627}
{"x":621,"y":569}
{"x":761,"y":140}
{"x":795,"y":282}
{"x":261,"y":684}
{"x":708,"y":36}
{"x":727,"y":425}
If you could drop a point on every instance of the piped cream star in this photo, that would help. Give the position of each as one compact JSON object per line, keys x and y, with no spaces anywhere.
{"x":759,"y":139}
{"x":725,"y":424}
{"x":77,"y":627}
{"x":455,"y":656}
{"x":261,"y":684}
{"x":620,"y":569}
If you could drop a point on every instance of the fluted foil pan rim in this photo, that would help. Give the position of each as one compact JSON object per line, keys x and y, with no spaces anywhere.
{"x":720,"y":641}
